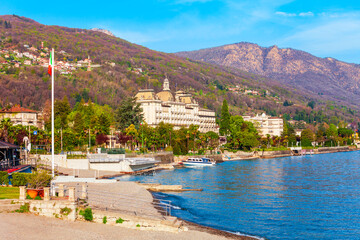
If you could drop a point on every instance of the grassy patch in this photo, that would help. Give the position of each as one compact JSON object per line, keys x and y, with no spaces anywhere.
{"x":9,"y":193}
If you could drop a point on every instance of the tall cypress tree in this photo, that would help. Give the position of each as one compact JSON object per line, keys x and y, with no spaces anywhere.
{"x":225,"y":119}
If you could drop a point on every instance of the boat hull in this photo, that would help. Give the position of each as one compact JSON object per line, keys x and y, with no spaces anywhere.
{"x":190,"y":164}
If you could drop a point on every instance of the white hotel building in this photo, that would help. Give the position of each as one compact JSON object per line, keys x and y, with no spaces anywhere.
{"x":181,"y":111}
{"x":273,"y":126}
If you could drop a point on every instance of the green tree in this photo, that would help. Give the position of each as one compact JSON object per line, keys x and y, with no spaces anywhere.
{"x":307,"y":137}
{"x":311,"y":104}
{"x":332,"y":132}
{"x":225,"y":119}
{"x":129,"y":112}
{"x":212,"y":140}
{"x":5,"y":125}
{"x":131,"y":131}
{"x":243,"y":134}
{"x":61,"y":111}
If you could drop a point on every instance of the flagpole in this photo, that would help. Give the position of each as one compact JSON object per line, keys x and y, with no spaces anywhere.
{"x":52,"y":114}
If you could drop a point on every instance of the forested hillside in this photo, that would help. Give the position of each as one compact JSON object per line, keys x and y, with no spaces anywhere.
{"x":119,"y":68}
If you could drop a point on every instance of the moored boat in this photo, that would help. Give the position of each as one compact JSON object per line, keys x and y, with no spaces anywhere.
{"x":199,"y":162}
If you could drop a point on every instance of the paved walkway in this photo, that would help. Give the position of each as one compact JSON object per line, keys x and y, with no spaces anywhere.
{"x":14,"y":226}
{"x":84,"y":173}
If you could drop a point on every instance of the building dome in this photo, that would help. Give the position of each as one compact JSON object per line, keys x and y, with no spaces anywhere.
{"x":165,"y":96}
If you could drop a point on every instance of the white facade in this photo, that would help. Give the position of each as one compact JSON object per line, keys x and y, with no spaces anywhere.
{"x":19,"y":115}
{"x":273,"y":126}
{"x":181,"y":111}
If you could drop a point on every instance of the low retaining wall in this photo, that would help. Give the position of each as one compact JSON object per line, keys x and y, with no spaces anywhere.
{"x":122,"y":166}
{"x":238,"y":155}
{"x":163,"y":157}
{"x":65,"y":209}
{"x":56,"y":208}
{"x":63,"y":161}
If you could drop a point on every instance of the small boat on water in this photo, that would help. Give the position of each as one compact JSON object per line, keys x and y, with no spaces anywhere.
{"x":199,"y":162}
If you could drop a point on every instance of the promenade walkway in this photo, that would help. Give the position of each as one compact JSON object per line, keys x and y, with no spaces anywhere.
{"x":84,"y":173}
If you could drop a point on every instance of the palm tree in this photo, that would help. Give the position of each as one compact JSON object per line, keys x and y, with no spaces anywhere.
{"x":5,"y":124}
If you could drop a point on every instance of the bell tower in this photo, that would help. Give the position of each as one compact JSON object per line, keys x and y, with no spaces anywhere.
{"x":166,"y":85}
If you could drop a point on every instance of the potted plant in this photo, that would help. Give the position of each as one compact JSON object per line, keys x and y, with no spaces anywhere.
{"x":36,"y":182}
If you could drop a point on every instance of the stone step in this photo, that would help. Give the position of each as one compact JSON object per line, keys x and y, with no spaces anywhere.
{"x":172,"y":221}
{"x":178,"y":223}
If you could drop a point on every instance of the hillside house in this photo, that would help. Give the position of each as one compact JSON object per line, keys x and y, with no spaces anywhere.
{"x":19,"y":115}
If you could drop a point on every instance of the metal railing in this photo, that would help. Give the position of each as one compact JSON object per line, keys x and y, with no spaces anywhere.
{"x":117,"y":202}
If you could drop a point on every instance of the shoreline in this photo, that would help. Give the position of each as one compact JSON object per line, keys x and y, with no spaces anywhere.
{"x":211,"y":230}
{"x":241,"y":236}
{"x":291,"y":155}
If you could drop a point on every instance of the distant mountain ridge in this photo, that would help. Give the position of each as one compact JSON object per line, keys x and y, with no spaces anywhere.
{"x":324,"y":76}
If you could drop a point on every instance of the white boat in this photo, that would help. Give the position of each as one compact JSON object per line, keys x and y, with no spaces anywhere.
{"x":199,"y":162}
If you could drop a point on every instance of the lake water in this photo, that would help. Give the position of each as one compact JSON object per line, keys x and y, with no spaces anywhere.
{"x":309,"y":197}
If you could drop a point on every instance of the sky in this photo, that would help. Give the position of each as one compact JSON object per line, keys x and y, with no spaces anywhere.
{"x":324,"y":28}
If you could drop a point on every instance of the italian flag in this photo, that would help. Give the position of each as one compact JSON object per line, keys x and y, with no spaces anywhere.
{"x":50,"y":65}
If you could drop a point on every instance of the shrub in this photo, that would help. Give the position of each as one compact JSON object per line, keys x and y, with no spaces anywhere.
{"x":37,"y":198}
{"x":65,"y":211}
{"x":4,"y":178}
{"x":104,"y":220}
{"x":119,"y":220}
{"x":23,"y":208}
{"x":87,"y":214}
{"x":39,"y":179}
{"x":169,"y":149}
{"x":19,"y":179}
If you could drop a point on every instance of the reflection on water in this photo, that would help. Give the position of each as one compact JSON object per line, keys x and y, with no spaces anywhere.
{"x":309,"y":197}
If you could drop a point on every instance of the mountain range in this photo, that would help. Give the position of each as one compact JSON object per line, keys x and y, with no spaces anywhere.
{"x":120,"y":68}
{"x":337,"y":80}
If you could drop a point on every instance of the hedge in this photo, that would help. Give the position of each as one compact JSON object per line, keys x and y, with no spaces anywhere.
{"x":19,"y":179}
{"x":4,"y":178}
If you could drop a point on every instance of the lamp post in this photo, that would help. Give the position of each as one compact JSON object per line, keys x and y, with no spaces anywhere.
{"x":142,"y":137}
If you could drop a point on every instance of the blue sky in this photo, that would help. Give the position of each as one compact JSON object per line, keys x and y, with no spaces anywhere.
{"x":325,"y":28}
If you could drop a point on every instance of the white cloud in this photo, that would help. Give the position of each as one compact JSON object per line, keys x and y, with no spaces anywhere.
{"x":284,"y":14}
{"x":302,"y":14}
{"x":327,"y":37}
{"x":306,"y":14}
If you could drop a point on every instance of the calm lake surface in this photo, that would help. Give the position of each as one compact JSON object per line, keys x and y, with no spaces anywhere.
{"x":309,"y":197}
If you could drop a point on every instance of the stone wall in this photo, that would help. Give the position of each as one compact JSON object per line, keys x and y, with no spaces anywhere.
{"x":63,"y":161}
{"x":56,"y":208}
{"x":163,"y":157}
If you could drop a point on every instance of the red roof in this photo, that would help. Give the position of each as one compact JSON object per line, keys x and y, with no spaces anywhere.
{"x":17,"y":109}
